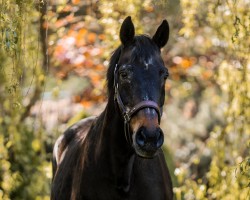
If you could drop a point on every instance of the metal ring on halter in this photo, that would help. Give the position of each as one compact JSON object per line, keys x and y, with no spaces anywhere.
{"x":127,"y":114}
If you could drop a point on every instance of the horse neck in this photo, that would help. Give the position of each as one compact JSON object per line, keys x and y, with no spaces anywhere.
{"x":112,"y":146}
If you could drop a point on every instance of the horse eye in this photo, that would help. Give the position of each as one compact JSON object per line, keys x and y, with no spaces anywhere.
{"x":124,"y":75}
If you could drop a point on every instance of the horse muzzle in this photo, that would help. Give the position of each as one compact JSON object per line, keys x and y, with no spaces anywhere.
{"x":147,"y":135}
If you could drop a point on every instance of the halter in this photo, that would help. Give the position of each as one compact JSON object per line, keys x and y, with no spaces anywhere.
{"x":128,"y":113}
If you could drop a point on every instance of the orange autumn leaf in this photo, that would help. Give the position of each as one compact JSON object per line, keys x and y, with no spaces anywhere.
{"x":61,"y":75}
{"x":174,"y":69}
{"x":75,"y":2}
{"x":60,"y":23}
{"x":149,"y":8}
{"x":77,"y":98}
{"x":91,"y":37}
{"x":87,"y":54}
{"x":88,"y":63}
{"x":67,"y":8}
{"x":99,"y":67}
{"x":58,"y":50}
{"x":101,"y":37}
{"x":82,"y":32}
{"x":78,"y":65}
{"x":207,"y":74}
{"x":70,"y":18}
{"x":80,"y":38}
{"x":175,"y":77}
{"x":86,"y":103}
{"x":71,"y":32}
{"x":186,"y":63}
{"x":95,"y":79}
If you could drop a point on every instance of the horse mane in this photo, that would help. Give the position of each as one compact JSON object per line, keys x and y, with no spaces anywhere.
{"x":143,"y":48}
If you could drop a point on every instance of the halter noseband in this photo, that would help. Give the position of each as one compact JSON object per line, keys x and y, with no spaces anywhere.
{"x":128,"y":113}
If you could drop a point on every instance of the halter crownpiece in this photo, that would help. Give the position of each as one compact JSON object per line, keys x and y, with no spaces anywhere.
{"x":128,"y":113}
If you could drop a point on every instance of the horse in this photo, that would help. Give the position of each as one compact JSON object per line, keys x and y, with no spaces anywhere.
{"x":118,"y":154}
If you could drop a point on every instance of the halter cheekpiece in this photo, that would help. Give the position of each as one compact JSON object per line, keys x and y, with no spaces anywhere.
{"x":128,"y":113}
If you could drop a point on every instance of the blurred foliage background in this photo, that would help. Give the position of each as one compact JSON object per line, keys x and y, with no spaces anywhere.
{"x":53,"y":59}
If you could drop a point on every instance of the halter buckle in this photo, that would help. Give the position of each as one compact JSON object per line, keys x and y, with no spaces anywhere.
{"x":126,"y":117}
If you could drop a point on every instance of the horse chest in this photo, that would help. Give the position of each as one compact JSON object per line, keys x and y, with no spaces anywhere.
{"x":149,"y":181}
{"x":103,"y":190}
{"x":144,"y":182}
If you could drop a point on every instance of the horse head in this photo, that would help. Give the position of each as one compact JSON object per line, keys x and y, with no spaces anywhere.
{"x":139,"y":77}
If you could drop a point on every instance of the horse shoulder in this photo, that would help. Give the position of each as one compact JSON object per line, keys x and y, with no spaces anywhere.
{"x":78,"y":130}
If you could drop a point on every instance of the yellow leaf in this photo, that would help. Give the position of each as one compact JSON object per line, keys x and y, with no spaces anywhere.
{"x":36,"y":145}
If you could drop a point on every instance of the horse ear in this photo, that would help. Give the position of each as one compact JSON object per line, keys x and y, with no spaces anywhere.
{"x":127,"y":31}
{"x":162,"y":34}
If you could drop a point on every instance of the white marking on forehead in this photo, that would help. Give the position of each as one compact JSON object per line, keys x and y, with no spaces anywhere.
{"x":148,"y":62}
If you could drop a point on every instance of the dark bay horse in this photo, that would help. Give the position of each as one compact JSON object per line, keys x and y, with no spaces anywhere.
{"x":118,"y":155}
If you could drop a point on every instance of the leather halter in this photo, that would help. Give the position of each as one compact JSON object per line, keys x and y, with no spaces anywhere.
{"x":128,"y":113}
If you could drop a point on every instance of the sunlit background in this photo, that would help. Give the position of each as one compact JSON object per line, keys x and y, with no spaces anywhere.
{"x":53,"y":61}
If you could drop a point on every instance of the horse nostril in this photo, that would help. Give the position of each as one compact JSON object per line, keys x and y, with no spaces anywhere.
{"x":159,"y":139}
{"x":140,"y":138}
